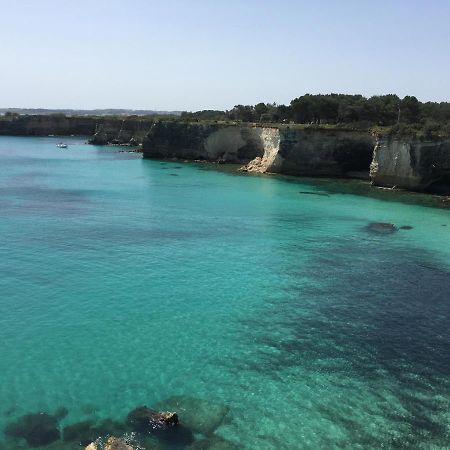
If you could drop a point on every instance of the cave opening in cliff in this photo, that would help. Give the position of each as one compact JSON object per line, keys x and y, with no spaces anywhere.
{"x":441,"y":185}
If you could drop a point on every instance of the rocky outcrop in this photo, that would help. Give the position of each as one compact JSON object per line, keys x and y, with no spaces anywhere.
{"x":37,"y":429}
{"x":200,"y":415}
{"x":113,"y":443}
{"x":162,"y":425}
{"x":145,"y":419}
{"x":413,"y":165}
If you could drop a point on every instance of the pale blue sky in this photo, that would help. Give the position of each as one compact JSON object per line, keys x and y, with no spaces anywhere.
{"x":213,"y":54}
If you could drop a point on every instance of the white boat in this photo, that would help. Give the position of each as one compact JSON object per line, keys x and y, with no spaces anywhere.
{"x":61,"y":145}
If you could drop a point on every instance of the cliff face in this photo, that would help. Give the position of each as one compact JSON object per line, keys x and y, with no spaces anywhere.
{"x":413,"y":165}
{"x":103,"y":129}
{"x":264,"y":149}
{"x":317,"y":153}
{"x":207,"y":142}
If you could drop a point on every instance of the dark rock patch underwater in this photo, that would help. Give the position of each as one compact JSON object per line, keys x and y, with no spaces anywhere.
{"x":144,"y":429}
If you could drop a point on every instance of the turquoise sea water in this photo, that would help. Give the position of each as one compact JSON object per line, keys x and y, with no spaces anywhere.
{"x":126,"y":281}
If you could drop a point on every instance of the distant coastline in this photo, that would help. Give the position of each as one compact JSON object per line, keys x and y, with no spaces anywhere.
{"x":397,"y":143}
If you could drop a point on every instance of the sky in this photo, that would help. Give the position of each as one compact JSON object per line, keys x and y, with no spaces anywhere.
{"x":213,"y":54}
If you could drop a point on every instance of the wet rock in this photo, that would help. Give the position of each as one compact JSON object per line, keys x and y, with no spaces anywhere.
{"x":145,"y":419}
{"x":114,"y":443}
{"x":37,"y":429}
{"x":381,"y":228}
{"x":406,"y":227}
{"x":199,"y":415}
{"x":164,"y":425}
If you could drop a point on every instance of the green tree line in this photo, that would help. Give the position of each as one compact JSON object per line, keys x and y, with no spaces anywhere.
{"x":400,"y":116}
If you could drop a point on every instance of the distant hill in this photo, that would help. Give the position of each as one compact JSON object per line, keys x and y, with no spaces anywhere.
{"x":90,"y":112}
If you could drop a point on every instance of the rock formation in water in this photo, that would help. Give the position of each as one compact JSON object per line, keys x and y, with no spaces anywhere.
{"x":145,"y":419}
{"x":38,"y":429}
{"x":201,"y":416}
{"x":113,"y":443}
{"x":163,"y":425}
{"x":411,"y":164}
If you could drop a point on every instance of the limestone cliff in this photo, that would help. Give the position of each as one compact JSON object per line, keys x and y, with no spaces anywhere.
{"x":211,"y":142}
{"x":295,"y":151}
{"x":316,"y":152}
{"x":104,"y":130}
{"x":412,"y":164}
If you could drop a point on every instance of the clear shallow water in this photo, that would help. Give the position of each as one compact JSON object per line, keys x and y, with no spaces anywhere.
{"x":124,"y":282}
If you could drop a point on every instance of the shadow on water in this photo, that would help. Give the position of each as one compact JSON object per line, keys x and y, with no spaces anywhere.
{"x":44,"y":200}
{"x":364,"y":313}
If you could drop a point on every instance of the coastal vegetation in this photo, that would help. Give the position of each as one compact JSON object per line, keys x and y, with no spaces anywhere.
{"x":386,"y":115}
{"x":382,"y":114}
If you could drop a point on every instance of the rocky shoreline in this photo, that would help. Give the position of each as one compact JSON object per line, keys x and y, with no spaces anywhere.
{"x":387,"y":161}
{"x":422,"y":166}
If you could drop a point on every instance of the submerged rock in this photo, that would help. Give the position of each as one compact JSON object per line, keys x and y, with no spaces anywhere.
{"x":164,"y":425}
{"x":81,"y":432}
{"x":37,"y":429}
{"x":145,"y":419}
{"x":381,"y":228}
{"x":87,"y":431}
{"x":201,"y":416}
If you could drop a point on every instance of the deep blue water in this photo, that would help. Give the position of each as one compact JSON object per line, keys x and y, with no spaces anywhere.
{"x":126,"y":281}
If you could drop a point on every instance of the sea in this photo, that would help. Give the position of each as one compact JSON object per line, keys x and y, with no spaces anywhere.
{"x":273,"y":312}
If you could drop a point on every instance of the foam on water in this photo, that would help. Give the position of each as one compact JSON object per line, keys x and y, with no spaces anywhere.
{"x":122,"y":284}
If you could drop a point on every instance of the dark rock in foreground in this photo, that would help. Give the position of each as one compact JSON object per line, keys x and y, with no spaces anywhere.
{"x":145,"y":419}
{"x":112,"y":443}
{"x":163,"y":425}
{"x":37,"y":429}
{"x":201,"y":416}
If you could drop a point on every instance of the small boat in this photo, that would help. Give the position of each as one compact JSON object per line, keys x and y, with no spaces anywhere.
{"x":61,"y":145}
